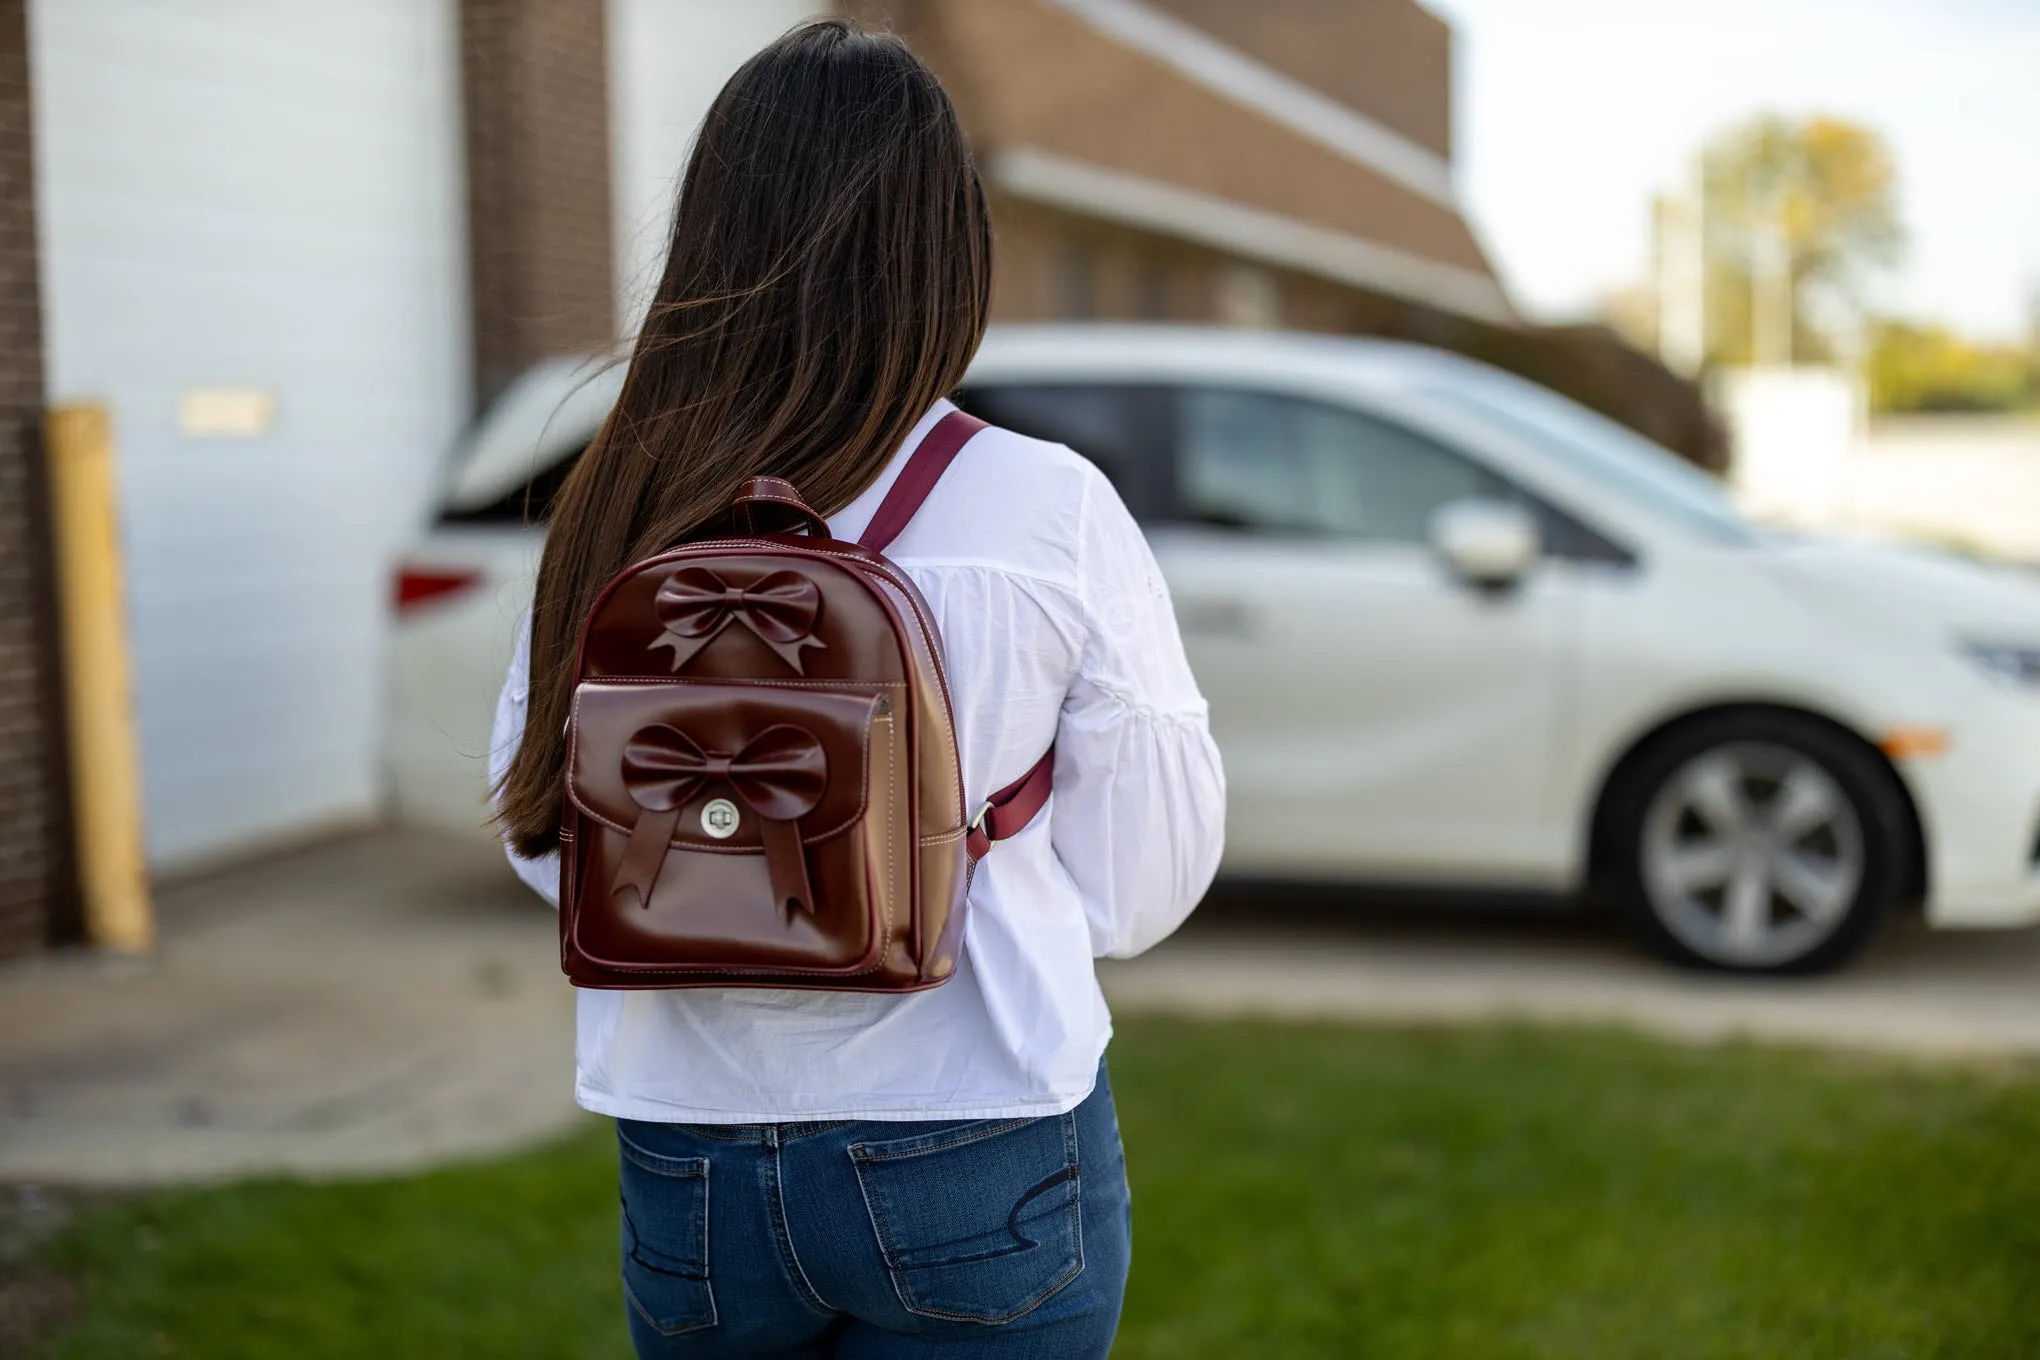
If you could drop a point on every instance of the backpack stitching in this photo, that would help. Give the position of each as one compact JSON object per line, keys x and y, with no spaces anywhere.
{"x":840,"y":686}
{"x":892,"y":774}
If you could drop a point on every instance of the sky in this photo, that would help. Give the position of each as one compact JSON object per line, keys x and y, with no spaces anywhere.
{"x":1571,"y":114}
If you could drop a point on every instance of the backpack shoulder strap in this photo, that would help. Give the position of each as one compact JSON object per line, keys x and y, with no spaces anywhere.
{"x":925,"y":466}
{"x":1011,"y":808}
{"x":1014,"y":806}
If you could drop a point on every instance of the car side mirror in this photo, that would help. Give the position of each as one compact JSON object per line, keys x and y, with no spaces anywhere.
{"x":1488,"y":544}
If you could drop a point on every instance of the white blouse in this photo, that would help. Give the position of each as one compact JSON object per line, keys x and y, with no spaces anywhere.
{"x":1056,"y":626}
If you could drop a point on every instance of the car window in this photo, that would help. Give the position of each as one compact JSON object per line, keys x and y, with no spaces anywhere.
{"x":1613,"y":454}
{"x":1275,"y":464}
{"x":1278,"y":464}
{"x":1107,"y":424}
{"x":542,"y":420}
{"x":1116,"y":426}
{"x":527,"y":503}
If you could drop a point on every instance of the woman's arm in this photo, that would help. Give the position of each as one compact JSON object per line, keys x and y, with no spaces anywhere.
{"x":543,"y":873}
{"x":1138,"y":816}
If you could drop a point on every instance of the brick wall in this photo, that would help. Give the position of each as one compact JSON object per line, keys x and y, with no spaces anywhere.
{"x":35,"y":896}
{"x":1028,"y":74}
{"x":1046,"y":257}
{"x":1388,"y":59}
{"x":535,"y":95}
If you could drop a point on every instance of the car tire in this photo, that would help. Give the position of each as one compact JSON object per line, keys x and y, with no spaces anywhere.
{"x":1759,"y":842}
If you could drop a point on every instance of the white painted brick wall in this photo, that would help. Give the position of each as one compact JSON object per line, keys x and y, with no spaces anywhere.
{"x":259,"y":192}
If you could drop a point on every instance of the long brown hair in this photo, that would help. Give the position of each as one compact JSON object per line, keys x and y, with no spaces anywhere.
{"x":827,"y":282}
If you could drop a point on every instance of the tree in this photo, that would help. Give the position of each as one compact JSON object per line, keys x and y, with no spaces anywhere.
{"x":1930,"y":368}
{"x":1799,"y":215}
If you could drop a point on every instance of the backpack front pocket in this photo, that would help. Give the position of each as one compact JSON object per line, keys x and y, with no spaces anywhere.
{"x":743,"y":826}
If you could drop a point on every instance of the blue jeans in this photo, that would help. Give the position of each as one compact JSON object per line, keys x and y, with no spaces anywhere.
{"x":873,"y":1240}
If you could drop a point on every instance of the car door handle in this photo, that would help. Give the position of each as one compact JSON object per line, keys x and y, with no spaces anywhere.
{"x":1216,"y":618}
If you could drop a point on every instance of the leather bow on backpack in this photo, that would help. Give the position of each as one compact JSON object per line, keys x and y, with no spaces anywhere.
{"x":780,"y":774}
{"x":696,"y":604}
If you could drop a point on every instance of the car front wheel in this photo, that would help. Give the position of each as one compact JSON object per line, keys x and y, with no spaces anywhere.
{"x":1760,"y":843}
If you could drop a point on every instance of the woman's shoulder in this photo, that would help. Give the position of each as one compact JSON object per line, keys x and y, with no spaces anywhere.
{"x":1052,"y":474}
{"x":1009,"y":502}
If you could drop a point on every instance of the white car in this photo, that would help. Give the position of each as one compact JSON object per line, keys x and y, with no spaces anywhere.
{"x":1455,"y":631}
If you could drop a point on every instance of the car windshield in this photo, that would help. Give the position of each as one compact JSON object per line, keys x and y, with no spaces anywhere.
{"x":1613,"y":454}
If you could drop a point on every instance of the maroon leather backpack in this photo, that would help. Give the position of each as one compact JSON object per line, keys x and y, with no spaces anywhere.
{"x":762,"y":778}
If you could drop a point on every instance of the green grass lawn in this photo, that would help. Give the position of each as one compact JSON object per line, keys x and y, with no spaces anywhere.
{"x":1488,"y":1193}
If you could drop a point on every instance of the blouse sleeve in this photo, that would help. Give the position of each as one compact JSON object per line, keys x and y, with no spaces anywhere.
{"x":541,"y":874}
{"x":1138,"y":815}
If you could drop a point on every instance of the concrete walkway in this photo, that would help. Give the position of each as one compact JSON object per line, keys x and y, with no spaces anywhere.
{"x":1915,"y":991}
{"x":394,"y":1000}
{"x":367,"y":1005}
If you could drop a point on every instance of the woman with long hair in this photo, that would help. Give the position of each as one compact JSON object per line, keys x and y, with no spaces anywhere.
{"x":814,"y":1173}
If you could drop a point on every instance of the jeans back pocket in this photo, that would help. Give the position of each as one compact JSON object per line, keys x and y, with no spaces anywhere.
{"x":978,"y":1222}
{"x":665,"y":1238}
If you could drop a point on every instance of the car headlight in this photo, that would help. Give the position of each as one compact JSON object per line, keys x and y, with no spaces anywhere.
{"x":2016,"y":662}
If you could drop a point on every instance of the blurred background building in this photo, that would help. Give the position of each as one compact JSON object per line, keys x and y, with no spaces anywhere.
{"x":294,"y":247}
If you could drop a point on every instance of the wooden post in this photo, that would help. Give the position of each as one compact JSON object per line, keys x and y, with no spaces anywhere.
{"x":98,"y":691}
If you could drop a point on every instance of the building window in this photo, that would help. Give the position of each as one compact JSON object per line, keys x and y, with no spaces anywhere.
{"x":1075,"y":281}
{"x":1153,"y":285}
{"x":1248,"y":297}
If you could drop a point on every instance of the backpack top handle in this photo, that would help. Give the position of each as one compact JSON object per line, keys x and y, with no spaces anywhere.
{"x":771,"y":505}
{"x":765,"y":505}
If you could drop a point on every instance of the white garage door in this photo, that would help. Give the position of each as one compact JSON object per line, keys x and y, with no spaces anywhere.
{"x":260,"y":196}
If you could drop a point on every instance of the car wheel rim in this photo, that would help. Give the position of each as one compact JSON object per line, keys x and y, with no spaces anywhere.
{"x":1752,"y":854}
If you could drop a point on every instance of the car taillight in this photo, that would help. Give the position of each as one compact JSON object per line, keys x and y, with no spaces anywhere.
{"x":416,"y":585}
